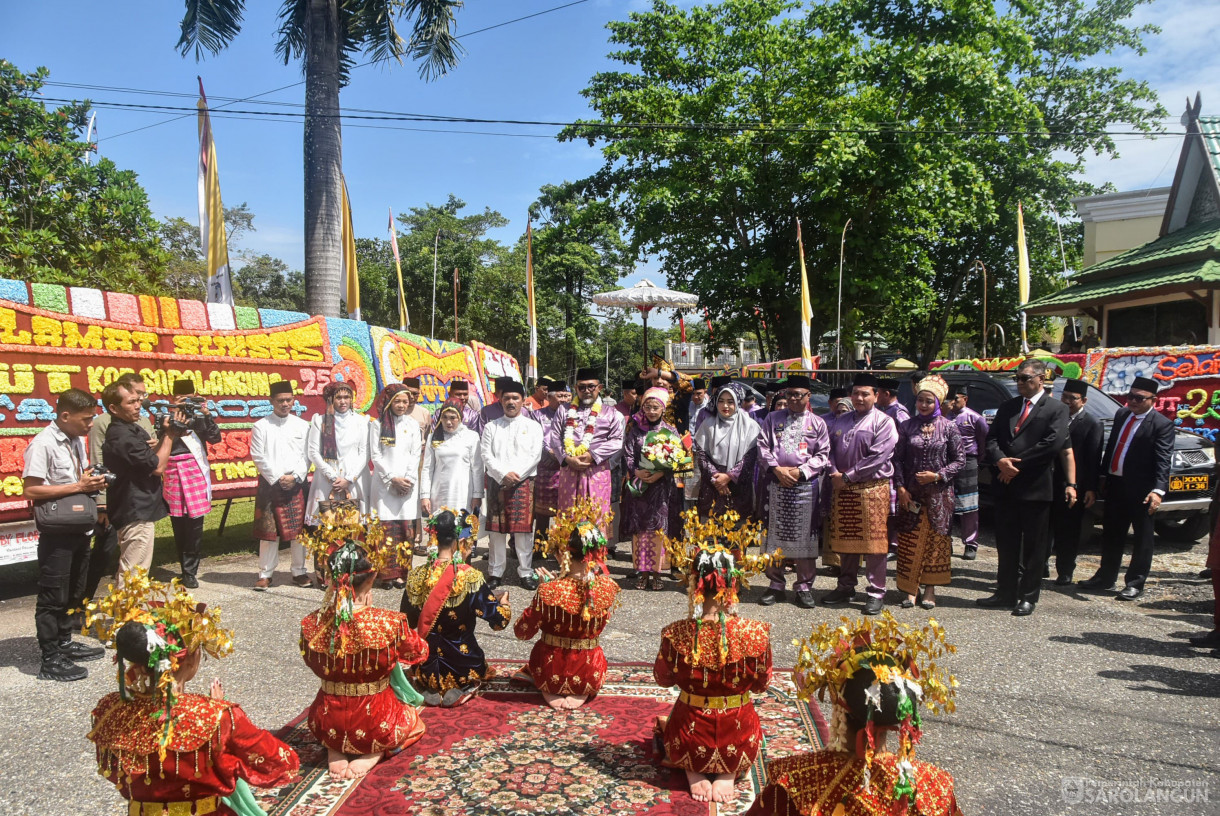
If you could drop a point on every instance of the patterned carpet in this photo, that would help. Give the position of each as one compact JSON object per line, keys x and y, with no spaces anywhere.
{"x":506,"y":753}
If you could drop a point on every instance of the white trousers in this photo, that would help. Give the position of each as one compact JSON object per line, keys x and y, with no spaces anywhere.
{"x":497,"y":553}
{"x":269,"y":556}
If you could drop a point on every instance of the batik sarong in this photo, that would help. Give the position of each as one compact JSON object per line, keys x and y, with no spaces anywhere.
{"x":648,"y":553}
{"x":596,"y":483}
{"x":859,"y":513}
{"x":791,"y":515}
{"x":510,"y":510}
{"x":924,"y":556}
{"x":546,"y":489}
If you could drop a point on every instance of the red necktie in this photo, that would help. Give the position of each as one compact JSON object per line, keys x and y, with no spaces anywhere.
{"x":1121,"y":447}
{"x":1021,"y":419}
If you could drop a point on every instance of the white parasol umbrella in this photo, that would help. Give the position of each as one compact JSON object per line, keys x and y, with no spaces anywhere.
{"x":646,"y":296}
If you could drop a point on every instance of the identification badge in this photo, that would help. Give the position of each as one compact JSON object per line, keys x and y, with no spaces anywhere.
{"x":803,"y":447}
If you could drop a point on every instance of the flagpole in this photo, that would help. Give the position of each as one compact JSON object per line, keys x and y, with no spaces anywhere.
{"x":435,"y":245}
{"x":211,"y":211}
{"x":806,"y":309}
{"x":404,"y":320}
{"x":839,"y":319}
{"x":531,"y":369}
{"x":1022,"y":274}
{"x":456,"y":287}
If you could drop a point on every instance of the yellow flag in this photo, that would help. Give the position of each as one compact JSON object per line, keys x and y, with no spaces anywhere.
{"x":212,"y":213}
{"x":1022,"y":272}
{"x":350,"y":272}
{"x":404,"y":319}
{"x":531,"y":370}
{"x":806,"y":309}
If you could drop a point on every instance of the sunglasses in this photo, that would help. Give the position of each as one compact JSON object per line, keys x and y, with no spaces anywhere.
{"x":1027,"y":377}
{"x":1137,"y":398}
{"x":798,"y":395}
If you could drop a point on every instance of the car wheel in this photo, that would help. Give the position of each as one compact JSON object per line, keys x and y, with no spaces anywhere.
{"x":1185,"y":528}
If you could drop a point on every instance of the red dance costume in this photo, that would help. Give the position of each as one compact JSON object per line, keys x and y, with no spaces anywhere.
{"x":356,"y":710}
{"x":568,"y":660}
{"x":713,"y":728}
{"x":825,"y":781}
{"x":213,"y":745}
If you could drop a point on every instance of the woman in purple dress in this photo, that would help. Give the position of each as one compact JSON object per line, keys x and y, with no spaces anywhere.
{"x":726,"y":451}
{"x":928,"y":455}
{"x":647,"y":516}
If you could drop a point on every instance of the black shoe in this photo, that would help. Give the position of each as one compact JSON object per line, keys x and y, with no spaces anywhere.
{"x":805,"y":599}
{"x":873,"y":606}
{"x":57,"y":667}
{"x":996,"y":601}
{"x":1096,"y":582}
{"x":1046,"y":570}
{"x":837,"y":597}
{"x":1022,"y":609}
{"x":1130,"y":593}
{"x":771,"y":597}
{"x":493,"y":583}
{"x":529,"y":582}
{"x":76,"y":621}
{"x":831,"y":572}
{"x":74,"y":650}
{"x":970,"y":554}
{"x":190,"y":581}
{"x":891,"y":556}
{"x":1064,"y":580}
{"x":1206,"y":572}
{"x":1210,"y":640}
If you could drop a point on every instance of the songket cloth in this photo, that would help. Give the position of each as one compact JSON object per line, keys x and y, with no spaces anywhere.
{"x":966,"y":487}
{"x":862,"y":449}
{"x":571,"y":615}
{"x":606,"y":448}
{"x":546,"y":483}
{"x":799,"y":440}
{"x":713,"y":727}
{"x":186,"y":487}
{"x":455,"y":659}
{"x":859,"y":514}
{"x":925,"y":549}
{"x":831,"y":781}
{"x":356,"y":710}
{"x":510,"y":510}
{"x":278,"y":513}
{"x":213,"y":745}
{"x":656,"y":511}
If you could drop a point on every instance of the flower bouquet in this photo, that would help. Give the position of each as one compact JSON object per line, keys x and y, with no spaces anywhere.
{"x":664,"y":451}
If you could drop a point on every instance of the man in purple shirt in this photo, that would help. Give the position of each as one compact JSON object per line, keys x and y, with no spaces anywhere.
{"x":861,"y":451}
{"x":494,"y":410}
{"x":966,"y":484}
{"x":792,"y":448}
{"x":887,"y":400}
{"x":459,"y":391}
{"x":587,"y":441}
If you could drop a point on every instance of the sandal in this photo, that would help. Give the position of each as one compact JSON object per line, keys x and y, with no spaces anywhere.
{"x":654,"y":582}
{"x":641,"y":581}
{"x":400,"y":584}
{"x":927,"y":604}
{"x":907,"y":603}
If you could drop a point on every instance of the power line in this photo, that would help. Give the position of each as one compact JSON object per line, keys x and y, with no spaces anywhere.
{"x":361,"y":65}
{"x":714,"y":127}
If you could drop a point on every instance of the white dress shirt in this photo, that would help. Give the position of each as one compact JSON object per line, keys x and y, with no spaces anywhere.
{"x":277,"y":446}
{"x":511,"y":445}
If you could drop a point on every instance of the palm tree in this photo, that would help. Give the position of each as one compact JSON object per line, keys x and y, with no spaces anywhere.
{"x":329,"y":34}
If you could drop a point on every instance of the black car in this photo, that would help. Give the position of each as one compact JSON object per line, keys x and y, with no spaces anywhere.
{"x":1182,"y":516}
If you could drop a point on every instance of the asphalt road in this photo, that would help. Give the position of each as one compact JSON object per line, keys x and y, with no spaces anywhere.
{"x":1090,"y":697}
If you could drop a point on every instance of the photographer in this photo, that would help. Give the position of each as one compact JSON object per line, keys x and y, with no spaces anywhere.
{"x":55,"y":470}
{"x":134,"y":500}
{"x":105,"y":549}
{"x":188,"y":483}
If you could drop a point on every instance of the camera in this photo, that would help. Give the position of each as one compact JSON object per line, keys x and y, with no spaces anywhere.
{"x":191,"y":408}
{"x":100,"y":470}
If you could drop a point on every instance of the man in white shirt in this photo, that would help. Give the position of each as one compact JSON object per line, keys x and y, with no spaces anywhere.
{"x":511,"y":448}
{"x":277,"y":446}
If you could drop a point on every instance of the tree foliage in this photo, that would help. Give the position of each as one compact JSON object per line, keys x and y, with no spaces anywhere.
{"x":61,"y":220}
{"x":923,"y":122}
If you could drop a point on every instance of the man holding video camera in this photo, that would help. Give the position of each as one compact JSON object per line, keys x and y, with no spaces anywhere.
{"x":134,"y":500}
{"x":59,"y":481}
{"x":188,"y":482}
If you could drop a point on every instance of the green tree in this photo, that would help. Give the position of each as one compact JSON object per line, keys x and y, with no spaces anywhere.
{"x":61,"y":220}
{"x":266,"y":283}
{"x":328,"y":36}
{"x":186,"y":273}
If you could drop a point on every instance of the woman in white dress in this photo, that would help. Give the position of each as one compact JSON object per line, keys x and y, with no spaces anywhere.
{"x":338,"y":446}
{"x":395,"y":444}
{"x":453,"y":469}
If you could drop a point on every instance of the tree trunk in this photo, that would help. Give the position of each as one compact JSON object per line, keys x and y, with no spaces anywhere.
{"x":323,"y":160}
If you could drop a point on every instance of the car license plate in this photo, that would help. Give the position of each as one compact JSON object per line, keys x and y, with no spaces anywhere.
{"x":1188,"y":484}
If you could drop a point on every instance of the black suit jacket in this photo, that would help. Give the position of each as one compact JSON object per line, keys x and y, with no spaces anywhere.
{"x":1085,"y":435}
{"x":1037,"y":446}
{"x":1149,"y":450}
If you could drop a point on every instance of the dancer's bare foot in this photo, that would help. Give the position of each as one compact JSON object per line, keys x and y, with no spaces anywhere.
{"x":555,"y":701}
{"x":700,"y":786}
{"x":722,"y":788}
{"x":362,"y":765}
{"x":573,"y":703}
{"x":337,"y":764}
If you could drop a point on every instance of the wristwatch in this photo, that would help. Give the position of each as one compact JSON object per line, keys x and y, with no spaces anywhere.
{"x":1070,"y":484}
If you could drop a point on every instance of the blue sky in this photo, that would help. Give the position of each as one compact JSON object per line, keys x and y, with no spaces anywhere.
{"x":533,"y":69}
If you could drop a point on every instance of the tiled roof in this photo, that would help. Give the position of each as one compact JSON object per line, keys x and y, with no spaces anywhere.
{"x":1195,"y":242}
{"x":1210,"y":125}
{"x":1204,"y":274}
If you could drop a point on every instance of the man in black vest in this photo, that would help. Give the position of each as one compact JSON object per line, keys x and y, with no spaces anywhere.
{"x":1135,"y":469}
{"x":1071,"y":500}
{"x":1022,"y":445}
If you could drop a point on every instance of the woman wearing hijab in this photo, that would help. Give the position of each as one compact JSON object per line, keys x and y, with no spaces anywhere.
{"x":395,"y":447}
{"x":338,"y":446}
{"x":646,"y":517}
{"x":453,"y":470}
{"x":726,"y":451}
{"x":928,"y":455}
